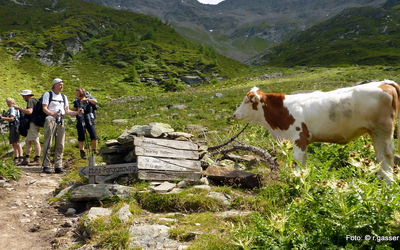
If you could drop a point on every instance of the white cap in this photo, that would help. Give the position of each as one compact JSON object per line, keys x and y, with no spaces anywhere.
{"x":26,"y":92}
{"x":57,"y":80}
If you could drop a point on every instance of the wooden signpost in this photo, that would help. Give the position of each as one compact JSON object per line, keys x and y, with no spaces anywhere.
{"x":160,"y":159}
{"x":157,"y":159}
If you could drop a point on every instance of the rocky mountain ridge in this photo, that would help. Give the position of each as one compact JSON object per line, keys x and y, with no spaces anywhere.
{"x":239,"y":29}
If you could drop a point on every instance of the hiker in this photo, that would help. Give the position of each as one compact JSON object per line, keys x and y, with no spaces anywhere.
{"x":33,"y":131}
{"x":85,"y":122}
{"x":54,"y":126}
{"x":12,"y":117}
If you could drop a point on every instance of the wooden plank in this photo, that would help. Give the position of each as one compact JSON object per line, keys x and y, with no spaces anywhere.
{"x":92,"y":177}
{"x":150,"y":142}
{"x":160,"y":151}
{"x":154,"y":175}
{"x":145,"y":162}
{"x":124,"y":168}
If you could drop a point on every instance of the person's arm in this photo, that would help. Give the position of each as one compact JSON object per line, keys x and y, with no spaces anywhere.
{"x":92,"y":100}
{"x":8,"y":119}
{"x":73,"y":112}
{"x":49,"y":113}
{"x":27,"y":111}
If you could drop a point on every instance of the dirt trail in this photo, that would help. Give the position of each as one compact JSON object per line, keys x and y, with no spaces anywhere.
{"x":27,"y":219}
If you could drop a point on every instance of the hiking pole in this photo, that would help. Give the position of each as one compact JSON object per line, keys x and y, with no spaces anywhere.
{"x":2,"y":131}
{"x":83,"y":123}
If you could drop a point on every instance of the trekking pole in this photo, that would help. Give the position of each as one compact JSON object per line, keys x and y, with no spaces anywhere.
{"x":83,"y":123}
{"x":4,"y":138}
{"x":2,"y":131}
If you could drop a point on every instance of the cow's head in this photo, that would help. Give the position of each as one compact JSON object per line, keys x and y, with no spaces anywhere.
{"x":247,"y":111}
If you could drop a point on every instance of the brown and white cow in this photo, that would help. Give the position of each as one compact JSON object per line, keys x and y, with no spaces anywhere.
{"x":338,"y":116}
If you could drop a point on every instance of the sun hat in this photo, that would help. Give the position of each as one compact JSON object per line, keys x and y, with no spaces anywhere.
{"x":26,"y":92}
{"x":57,"y":80}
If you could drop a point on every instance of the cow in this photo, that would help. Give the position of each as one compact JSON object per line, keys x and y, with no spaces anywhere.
{"x":338,"y":116}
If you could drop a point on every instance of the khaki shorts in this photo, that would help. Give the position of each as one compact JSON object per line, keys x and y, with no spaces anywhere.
{"x":33,"y":132}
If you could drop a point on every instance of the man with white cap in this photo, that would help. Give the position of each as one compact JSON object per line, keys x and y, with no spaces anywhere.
{"x":33,"y":131}
{"x":54,"y":126}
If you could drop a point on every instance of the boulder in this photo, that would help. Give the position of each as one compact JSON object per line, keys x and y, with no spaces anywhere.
{"x":100,"y":192}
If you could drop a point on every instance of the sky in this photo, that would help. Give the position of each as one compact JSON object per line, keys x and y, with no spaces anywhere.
{"x":210,"y":1}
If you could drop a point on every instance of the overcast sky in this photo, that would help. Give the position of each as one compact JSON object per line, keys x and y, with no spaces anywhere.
{"x":210,"y":1}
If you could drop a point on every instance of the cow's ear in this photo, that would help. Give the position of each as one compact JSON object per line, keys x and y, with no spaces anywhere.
{"x":255,"y":98}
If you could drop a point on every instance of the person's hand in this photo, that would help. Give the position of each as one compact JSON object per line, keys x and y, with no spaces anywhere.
{"x":17,"y":107}
{"x":56,"y":115}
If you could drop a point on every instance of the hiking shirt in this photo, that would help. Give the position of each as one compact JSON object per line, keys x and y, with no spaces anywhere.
{"x":57,"y":103}
{"x":30,"y":104}
{"x":12,"y":112}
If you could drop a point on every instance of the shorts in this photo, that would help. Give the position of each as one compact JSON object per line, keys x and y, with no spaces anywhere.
{"x":33,"y":132}
{"x":14,"y":135}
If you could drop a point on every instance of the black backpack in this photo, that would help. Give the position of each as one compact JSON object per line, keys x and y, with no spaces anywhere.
{"x":38,"y":116}
{"x":24,"y":124}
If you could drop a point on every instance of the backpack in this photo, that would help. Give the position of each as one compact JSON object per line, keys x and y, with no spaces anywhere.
{"x":24,"y":124}
{"x":38,"y":116}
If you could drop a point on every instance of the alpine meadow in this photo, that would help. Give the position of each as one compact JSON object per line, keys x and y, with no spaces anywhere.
{"x":142,"y":71}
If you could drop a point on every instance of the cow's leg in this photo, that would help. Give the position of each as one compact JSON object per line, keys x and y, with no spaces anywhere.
{"x":384,"y":150}
{"x":300,"y":157}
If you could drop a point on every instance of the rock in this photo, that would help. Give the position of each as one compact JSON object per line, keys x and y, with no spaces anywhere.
{"x":95,"y":212}
{"x":148,"y":237}
{"x":177,"y":106}
{"x":225,"y":199}
{"x":153,"y":129}
{"x":163,"y":188}
{"x":206,"y":187}
{"x":114,"y":149}
{"x":100,"y":191}
{"x":124,"y":214}
{"x":66,"y":190}
{"x":120,"y":121}
{"x":175,"y":135}
{"x":196,"y":128}
{"x":111,"y":142}
{"x":70,"y":211}
{"x":232,"y":176}
{"x":205,"y":181}
{"x":191,"y":79}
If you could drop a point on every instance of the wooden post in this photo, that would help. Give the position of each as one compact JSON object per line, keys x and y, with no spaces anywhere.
{"x":92,"y":163}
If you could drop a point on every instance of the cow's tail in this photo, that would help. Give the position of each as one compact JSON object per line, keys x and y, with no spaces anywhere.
{"x":397,"y":107}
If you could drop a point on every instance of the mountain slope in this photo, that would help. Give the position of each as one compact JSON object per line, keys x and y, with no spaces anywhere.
{"x":115,"y":52}
{"x":364,"y":36}
{"x":239,"y":29}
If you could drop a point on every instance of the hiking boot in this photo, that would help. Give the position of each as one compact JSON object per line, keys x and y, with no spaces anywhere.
{"x":46,"y":170}
{"x":59,"y":170}
{"x":25,"y":161}
{"x":17,"y":162}
{"x":83,"y":155}
{"x":36,"y":161}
